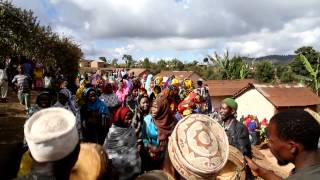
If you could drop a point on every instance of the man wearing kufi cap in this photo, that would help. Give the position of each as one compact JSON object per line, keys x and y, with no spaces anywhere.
{"x":53,"y":143}
{"x":237,"y":133}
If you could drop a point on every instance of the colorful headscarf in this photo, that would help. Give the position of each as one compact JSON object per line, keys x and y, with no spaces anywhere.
{"x":98,"y":105}
{"x":107,"y":88}
{"x":188,"y":84}
{"x":148,"y":84}
{"x":120,"y":114}
{"x":158,"y":81}
{"x":175,"y":82}
{"x":164,"y":119}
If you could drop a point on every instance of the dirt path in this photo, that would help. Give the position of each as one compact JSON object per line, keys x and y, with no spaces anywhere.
{"x":264,"y":158}
{"x":12,"y":118}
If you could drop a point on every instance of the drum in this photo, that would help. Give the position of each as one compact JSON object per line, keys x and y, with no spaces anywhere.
{"x":198,"y":147}
{"x":235,"y":167}
{"x":91,"y":163}
{"x":155,"y":175}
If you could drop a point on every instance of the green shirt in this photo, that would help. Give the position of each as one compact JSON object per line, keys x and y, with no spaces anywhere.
{"x":312,"y":173}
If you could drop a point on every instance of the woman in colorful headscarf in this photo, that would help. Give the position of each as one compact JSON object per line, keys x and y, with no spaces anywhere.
{"x":80,"y":100}
{"x":157,"y":127}
{"x":189,"y":104}
{"x":148,"y":85}
{"x":139,"y":113}
{"x":110,"y":98}
{"x":173,"y":97}
{"x":155,"y":93}
{"x":94,"y":117}
{"x":65,"y":100}
{"x":158,"y":81}
{"x":131,"y":99}
{"x":121,"y":93}
{"x":120,"y":145}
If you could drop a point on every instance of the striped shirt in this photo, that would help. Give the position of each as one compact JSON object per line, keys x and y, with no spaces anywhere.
{"x":22,"y":81}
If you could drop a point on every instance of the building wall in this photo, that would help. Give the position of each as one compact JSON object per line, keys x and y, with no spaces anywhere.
{"x":97,"y":64}
{"x":252,"y":102}
{"x":216,"y":101}
{"x":83,"y":64}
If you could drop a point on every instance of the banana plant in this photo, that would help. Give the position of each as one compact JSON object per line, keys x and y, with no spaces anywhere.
{"x":222,"y":63}
{"x":314,"y":72}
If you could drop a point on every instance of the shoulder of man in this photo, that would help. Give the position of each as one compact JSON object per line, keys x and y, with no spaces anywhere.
{"x":312,"y":172}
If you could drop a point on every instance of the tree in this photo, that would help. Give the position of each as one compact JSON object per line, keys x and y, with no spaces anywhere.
{"x":264,"y":71}
{"x":22,"y":35}
{"x":162,"y":64}
{"x":128,"y":60}
{"x":297,"y":65}
{"x":114,"y":62}
{"x":176,"y":64}
{"x":284,"y":73}
{"x":234,"y":68}
{"x":222,"y":63}
{"x":146,"y":63}
{"x":314,"y":72}
{"x":104,"y":59}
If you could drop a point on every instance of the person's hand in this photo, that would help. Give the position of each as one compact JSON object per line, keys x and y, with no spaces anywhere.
{"x":255,"y":169}
{"x":261,"y":172}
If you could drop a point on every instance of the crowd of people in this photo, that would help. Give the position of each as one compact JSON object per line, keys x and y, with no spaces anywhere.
{"x":134,"y":119}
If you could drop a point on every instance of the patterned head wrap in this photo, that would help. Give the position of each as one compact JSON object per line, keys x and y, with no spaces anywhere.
{"x":188,"y":84}
{"x":198,"y":147}
{"x":158,"y":80}
{"x":120,"y":114}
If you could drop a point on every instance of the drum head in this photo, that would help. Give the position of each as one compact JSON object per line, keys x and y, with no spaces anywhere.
{"x":234,"y":169}
{"x":91,"y":163}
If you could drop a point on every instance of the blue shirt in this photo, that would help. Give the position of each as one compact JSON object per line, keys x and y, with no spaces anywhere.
{"x":149,"y":132}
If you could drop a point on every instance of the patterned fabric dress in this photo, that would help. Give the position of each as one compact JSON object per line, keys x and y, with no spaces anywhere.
{"x":120,"y":145}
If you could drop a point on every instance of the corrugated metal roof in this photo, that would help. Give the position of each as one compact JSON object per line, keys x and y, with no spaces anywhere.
{"x":227,"y":87}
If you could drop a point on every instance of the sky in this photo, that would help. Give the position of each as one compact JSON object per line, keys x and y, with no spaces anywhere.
{"x":184,"y":29}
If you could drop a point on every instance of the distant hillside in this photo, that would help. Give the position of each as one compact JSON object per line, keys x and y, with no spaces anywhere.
{"x":282,"y":59}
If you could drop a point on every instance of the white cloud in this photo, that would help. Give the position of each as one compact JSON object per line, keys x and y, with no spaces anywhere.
{"x":243,"y":27}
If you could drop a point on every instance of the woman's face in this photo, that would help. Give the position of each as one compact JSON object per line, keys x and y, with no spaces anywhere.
{"x":128,"y":119}
{"x":152,"y":84}
{"x":154,"y":109}
{"x":144,"y":103}
{"x":135,"y":92}
{"x":92,"y":96}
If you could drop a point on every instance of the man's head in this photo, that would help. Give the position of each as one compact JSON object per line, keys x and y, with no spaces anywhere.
{"x":51,"y":135}
{"x":228,"y":108}
{"x":20,"y":69}
{"x":292,"y":132}
{"x":200,"y":82}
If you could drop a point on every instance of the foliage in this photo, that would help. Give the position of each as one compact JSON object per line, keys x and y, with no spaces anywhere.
{"x":128,"y":60}
{"x":297,"y":65}
{"x":284,"y":73}
{"x":146,"y":63}
{"x":234,"y":68}
{"x":114,"y":62}
{"x":22,"y":35}
{"x":314,"y":72}
{"x":104,"y":59}
{"x":264,"y":71}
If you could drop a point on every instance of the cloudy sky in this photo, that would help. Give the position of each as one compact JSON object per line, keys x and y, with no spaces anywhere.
{"x":186,"y":29}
